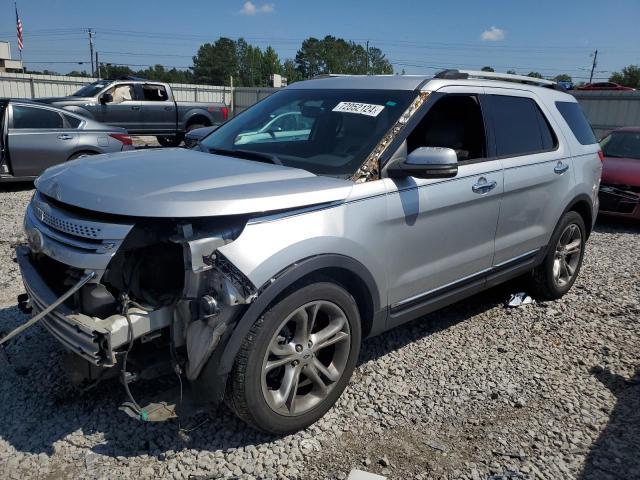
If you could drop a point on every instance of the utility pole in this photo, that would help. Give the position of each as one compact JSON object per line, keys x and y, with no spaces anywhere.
{"x":593,"y":65}
{"x":90,"y":31}
{"x":367,"y":57}
{"x":98,"y":67}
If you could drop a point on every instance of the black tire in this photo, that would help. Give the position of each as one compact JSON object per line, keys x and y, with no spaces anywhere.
{"x":543,"y":279}
{"x":193,"y":126}
{"x":81,"y":154}
{"x":244,"y":393}
{"x":169,"y":141}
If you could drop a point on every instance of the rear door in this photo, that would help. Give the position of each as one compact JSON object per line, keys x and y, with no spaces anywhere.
{"x":537,"y":172}
{"x":38,"y":138}
{"x":441,"y":231}
{"x":159,"y":108}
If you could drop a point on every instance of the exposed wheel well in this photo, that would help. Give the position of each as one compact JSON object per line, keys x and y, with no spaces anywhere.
{"x":583,"y":208}
{"x":348,"y":280}
{"x":199,"y":120}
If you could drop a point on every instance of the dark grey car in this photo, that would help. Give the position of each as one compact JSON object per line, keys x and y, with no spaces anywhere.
{"x":34,"y":137}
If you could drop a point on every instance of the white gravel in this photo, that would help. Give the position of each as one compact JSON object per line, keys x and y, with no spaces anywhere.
{"x":476,"y":391}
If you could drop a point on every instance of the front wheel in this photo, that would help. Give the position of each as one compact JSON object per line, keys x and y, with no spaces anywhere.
{"x":296,"y":360}
{"x":560,"y":267}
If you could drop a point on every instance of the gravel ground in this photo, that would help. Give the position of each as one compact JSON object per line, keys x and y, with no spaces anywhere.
{"x":476,"y":391}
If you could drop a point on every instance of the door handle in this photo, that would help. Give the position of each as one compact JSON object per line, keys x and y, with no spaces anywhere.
{"x":560,"y":168}
{"x":483,"y":186}
{"x":168,"y":108}
{"x":65,"y":136}
{"x":135,"y":107}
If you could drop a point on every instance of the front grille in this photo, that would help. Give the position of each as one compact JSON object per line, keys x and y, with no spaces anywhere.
{"x":72,"y":228}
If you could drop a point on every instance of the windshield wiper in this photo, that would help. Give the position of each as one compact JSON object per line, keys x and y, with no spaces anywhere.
{"x":247,"y":155}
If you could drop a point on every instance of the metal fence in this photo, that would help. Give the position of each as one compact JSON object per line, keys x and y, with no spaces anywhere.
{"x":19,"y":85}
{"x":244,"y":97}
{"x":607,"y":110}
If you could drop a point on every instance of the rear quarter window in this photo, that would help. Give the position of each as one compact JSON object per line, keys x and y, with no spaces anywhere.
{"x":578,"y":123}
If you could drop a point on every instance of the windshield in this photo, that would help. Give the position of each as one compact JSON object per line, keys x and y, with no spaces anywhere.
{"x":327,"y":132}
{"x":92,"y":89}
{"x":622,"y":145}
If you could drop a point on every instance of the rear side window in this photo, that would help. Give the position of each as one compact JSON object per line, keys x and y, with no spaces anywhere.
{"x":578,"y":123}
{"x":520,"y":128}
{"x":31,"y":117}
{"x":74,"y":122}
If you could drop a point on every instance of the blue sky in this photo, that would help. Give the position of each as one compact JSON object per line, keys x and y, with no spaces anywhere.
{"x":419,"y":36}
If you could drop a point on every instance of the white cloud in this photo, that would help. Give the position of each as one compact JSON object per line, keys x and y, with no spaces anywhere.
{"x":494,"y":34}
{"x":250,"y":8}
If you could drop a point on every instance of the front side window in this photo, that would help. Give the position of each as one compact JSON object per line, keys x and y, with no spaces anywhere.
{"x":121,"y":93}
{"x":154,"y":93}
{"x":32,"y":117}
{"x":325,"y":131}
{"x":519,"y":125}
{"x":578,"y":123}
{"x":621,"y":145}
{"x":453,"y":122}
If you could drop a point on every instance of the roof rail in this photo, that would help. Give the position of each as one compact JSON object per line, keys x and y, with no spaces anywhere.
{"x":464,"y":74}
{"x":330,"y":75}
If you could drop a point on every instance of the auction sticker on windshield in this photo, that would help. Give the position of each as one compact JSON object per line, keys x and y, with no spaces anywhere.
{"x":359,"y":108}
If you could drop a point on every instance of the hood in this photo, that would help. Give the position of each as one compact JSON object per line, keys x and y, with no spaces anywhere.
{"x":54,"y":99}
{"x":621,"y":171}
{"x":185,"y":183}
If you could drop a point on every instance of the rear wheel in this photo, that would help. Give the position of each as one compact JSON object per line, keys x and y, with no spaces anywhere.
{"x":296,"y":360}
{"x":560,"y":268}
{"x":169,"y":140}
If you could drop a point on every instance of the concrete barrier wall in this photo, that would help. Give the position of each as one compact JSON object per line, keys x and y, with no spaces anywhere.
{"x":607,"y":110}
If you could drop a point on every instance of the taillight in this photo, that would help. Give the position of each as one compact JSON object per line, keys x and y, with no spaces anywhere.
{"x":225,"y":113}
{"x":122,"y":137}
{"x":601,"y":155}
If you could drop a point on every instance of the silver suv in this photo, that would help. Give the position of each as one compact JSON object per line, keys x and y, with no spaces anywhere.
{"x":256,"y":266}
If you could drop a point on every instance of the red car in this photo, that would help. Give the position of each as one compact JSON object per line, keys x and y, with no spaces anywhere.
{"x":605,"y":86}
{"x":620,"y":185}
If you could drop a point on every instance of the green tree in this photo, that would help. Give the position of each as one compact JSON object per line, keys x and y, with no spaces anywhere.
{"x":336,"y":55}
{"x":534,"y":75}
{"x":563,"y":77}
{"x":487,"y":69}
{"x":511,"y":72}
{"x":290,"y":71}
{"x":378,"y":63}
{"x":270,"y":62}
{"x":629,"y":76}
{"x":216,"y":63}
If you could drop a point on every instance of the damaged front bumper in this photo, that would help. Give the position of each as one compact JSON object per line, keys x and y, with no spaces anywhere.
{"x":620,"y":201}
{"x":94,"y":339}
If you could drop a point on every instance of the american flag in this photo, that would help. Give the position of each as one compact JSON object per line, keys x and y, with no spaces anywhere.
{"x":19,"y":31}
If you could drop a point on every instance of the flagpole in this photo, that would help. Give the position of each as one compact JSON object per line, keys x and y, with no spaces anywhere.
{"x":24,"y":70}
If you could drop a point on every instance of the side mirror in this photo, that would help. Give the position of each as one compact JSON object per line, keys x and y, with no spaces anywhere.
{"x":106,"y":98}
{"x":426,"y":162}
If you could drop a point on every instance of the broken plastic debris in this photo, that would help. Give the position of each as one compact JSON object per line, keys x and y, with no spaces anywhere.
{"x":519,"y":299}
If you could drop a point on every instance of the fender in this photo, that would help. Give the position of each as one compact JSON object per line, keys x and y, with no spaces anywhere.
{"x":195,"y":112}
{"x":283,"y":280}
{"x":583,"y":197}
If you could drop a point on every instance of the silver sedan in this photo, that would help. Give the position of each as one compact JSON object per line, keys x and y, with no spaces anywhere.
{"x":34,"y":137}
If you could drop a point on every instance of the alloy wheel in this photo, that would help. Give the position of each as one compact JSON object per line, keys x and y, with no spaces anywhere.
{"x":567,"y":255}
{"x":305,"y":358}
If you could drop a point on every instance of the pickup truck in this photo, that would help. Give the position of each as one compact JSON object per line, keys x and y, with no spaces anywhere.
{"x":143,"y":107}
